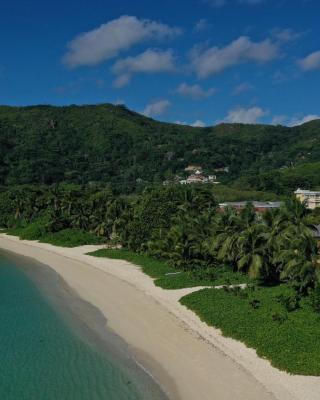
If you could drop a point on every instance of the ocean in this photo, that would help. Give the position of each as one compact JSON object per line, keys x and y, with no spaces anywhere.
{"x":48,"y":353}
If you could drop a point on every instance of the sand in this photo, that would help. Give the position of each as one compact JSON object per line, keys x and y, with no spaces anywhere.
{"x":190,"y":360}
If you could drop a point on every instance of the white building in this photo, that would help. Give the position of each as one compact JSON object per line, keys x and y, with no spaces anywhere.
{"x":310,"y":198}
{"x":193,"y":168}
{"x":198,"y":177}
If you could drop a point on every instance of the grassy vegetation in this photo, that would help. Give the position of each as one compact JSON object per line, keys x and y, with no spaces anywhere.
{"x":64,"y":238}
{"x":71,"y":238}
{"x":33,"y":231}
{"x":13,"y":231}
{"x":224,"y":193}
{"x":177,"y":279}
{"x":270,"y":320}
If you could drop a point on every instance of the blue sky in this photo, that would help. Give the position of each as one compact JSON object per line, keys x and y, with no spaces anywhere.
{"x":196,"y":62}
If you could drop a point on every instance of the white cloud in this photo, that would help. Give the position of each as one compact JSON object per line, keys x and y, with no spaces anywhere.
{"x":198,"y":124}
{"x":156,"y":108}
{"x":279,"y":120}
{"x":119,"y":102}
{"x":311,"y":62}
{"x":285,"y":35}
{"x":150,"y":61}
{"x":299,"y":121}
{"x":202,"y":25}
{"x":194,"y":91}
{"x":294,"y":121}
{"x":242,"y":88}
{"x":214,"y":60}
{"x":122,"y":80}
{"x":245,"y":115}
{"x":108,"y":40}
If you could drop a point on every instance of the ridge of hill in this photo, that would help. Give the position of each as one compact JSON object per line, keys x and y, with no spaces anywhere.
{"x":114,"y":145}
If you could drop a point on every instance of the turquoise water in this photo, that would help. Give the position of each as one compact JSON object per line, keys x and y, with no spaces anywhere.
{"x":41,"y":358}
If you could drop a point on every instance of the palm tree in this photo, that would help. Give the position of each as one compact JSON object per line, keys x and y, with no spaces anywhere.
{"x":296,"y":255}
{"x":252,"y":253}
{"x":185,"y":242}
{"x":222,"y":242}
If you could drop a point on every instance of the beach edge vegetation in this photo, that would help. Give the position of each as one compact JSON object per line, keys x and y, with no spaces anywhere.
{"x":180,"y":237}
{"x":168,"y":277}
{"x":280,"y":326}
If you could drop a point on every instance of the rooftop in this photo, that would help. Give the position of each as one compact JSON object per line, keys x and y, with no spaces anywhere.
{"x":310,"y":192}
{"x":256,"y":204}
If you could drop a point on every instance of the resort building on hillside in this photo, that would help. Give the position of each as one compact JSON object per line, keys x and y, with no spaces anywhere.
{"x":193,"y":168}
{"x":310,"y":198}
{"x":259,"y":206}
{"x":199,"y":177}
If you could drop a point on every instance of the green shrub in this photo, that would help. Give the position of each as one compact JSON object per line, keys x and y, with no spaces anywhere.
{"x":71,"y":238}
{"x":168,"y":277}
{"x":290,"y":303}
{"x":291,"y":341}
{"x":205,"y":273}
{"x":255,"y":303}
{"x":34,"y":231}
{"x":280,"y":317}
{"x":14,"y":231}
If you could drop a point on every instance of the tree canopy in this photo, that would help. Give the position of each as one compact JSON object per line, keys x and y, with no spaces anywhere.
{"x":113,"y":145}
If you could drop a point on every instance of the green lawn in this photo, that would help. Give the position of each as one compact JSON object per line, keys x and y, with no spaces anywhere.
{"x":290,"y":340}
{"x":158,"y":269}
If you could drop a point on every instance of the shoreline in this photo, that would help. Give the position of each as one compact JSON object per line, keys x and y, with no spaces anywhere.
{"x":87,"y":323}
{"x":188,"y":358}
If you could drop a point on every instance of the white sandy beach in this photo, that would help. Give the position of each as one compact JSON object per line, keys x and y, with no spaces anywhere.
{"x":189,"y":359}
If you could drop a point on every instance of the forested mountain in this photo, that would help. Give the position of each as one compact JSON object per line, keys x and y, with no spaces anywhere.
{"x":113,"y":145}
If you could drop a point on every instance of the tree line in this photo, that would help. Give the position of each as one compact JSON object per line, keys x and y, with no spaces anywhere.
{"x":180,"y":224}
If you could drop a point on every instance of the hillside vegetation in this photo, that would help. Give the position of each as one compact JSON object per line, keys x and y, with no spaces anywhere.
{"x":113,"y":145}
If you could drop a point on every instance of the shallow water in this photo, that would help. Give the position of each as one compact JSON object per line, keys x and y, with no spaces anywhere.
{"x":43,"y":357}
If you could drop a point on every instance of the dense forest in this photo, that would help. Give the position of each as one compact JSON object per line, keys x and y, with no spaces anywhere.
{"x":127,"y":151}
{"x":180,"y":224}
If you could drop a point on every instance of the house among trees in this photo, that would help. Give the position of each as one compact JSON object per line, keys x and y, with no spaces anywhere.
{"x":199,"y":177}
{"x":310,"y":198}
{"x":193,"y":168}
{"x":259,"y":206}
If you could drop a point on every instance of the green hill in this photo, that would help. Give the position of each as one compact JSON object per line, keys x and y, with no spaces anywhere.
{"x":283,"y":181}
{"x":113,"y":145}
